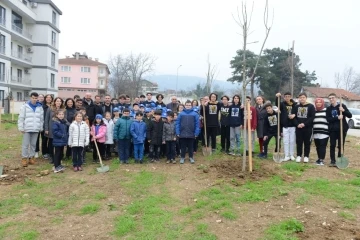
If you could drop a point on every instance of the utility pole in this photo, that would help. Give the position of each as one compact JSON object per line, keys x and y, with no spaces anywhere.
{"x":177,"y":78}
{"x":292,"y":69}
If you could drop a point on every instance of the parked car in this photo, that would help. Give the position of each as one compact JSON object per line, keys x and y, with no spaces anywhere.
{"x":354,"y":122}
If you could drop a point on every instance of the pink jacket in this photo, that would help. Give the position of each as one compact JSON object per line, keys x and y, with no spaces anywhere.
{"x":101,"y":136}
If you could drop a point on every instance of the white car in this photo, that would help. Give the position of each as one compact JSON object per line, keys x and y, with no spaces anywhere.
{"x":354,"y":122}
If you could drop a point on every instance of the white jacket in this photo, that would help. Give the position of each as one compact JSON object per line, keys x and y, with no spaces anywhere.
{"x":79,"y":134}
{"x":109,"y":131}
{"x":30,"y":120}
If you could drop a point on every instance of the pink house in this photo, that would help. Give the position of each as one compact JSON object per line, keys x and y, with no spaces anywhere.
{"x":80,"y":74}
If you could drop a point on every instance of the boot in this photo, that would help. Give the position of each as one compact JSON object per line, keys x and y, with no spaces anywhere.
{"x":32,"y":161}
{"x":24,"y":162}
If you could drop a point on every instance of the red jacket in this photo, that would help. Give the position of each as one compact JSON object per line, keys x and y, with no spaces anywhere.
{"x":253,"y":119}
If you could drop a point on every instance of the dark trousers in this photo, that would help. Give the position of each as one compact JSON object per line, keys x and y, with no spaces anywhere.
{"x":44,"y":144}
{"x":124,"y":150}
{"x":146,"y":146}
{"x":189,"y":144}
{"x":177,"y":148}
{"x":267,"y":141}
{"x":321,"y":147}
{"x":51,"y":148}
{"x":303,"y":137}
{"x":202,"y":133}
{"x":154,"y":151}
{"x":37,"y":147}
{"x":211,"y":134}
{"x":108,"y":148}
{"x":68,"y":151}
{"x":59,"y":154}
{"x":163,"y":152}
{"x":225,"y":138}
{"x":101,"y":147}
{"x":196,"y":143}
{"x":77,"y":156}
{"x":170,"y":149}
{"x":335,"y":137}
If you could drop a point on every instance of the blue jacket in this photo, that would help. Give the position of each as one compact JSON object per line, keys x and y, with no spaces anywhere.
{"x":187,"y":124}
{"x":60,"y":133}
{"x":122,"y":128}
{"x":138,"y":131}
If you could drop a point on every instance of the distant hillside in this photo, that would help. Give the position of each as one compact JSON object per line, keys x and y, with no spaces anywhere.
{"x":186,"y":82}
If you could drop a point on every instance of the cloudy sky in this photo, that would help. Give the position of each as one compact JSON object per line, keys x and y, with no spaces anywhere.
{"x":184,"y":32}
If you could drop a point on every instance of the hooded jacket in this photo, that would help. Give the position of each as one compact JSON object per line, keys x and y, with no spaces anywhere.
{"x":332,"y":113}
{"x":236,"y":118}
{"x":285,"y":111}
{"x":109,"y":131}
{"x":122,"y":128}
{"x":212,"y":110}
{"x":90,"y":109}
{"x":154,"y":132}
{"x":271,"y":124}
{"x":169,"y":131}
{"x":224,"y":114}
{"x":187,"y":124}
{"x":138,"y":131}
{"x":60,"y":133}
{"x":79,"y":134}
{"x":31,"y":118}
{"x":304,"y":114}
{"x":101,"y":134}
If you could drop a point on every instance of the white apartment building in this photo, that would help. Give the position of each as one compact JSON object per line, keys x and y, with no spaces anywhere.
{"x":29,"y":43}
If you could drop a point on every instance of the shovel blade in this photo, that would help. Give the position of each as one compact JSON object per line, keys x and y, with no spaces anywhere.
{"x":1,"y":170}
{"x":342,"y":162}
{"x":206,"y":151}
{"x":103,"y":169}
{"x":278,"y":158}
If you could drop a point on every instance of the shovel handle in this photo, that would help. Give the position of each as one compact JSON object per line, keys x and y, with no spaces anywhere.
{"x":341,"y":130}
{"x":97,"y":150}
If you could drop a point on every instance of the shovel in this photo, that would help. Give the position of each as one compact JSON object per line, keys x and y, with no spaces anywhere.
{"x":278,"y":157}
{"x":103,"y":167}
{"x":342,"y":162}
{"x":1,"y":170}
{"x":206,"y":150}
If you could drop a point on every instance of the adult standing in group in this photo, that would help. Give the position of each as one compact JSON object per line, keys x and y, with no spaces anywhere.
{"x":48,"y":122}
{"x":137,"y":100}
{"x":90,"y":107}
{"x":70,"y":117}
{"x":225,"y":128}
{"x":173,"y":105}
{"x":288,"y":126}
{"x":321,"y":130}
{"x":212,"y":109}
{"x":107,"y":106}
{"x":159,"y":101}
{"x":261,"y":114}
{"x":78,"y":104}
{"x":333,"y":116}
{"x":37,"y":148}
{"x":45,"y":140}
{"x":30,"y":123}
{"x":98,"y":105}
{"x":127,"y":101}
{"x":149,"y":103}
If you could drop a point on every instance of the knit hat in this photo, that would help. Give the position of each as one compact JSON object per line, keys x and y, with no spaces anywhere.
{"x":98,"y":116}
{"x":322,"y":104}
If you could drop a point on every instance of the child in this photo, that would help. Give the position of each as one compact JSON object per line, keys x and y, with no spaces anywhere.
{"x":321,"y":130}
{"x":78,"y":140}
{"x":253,"y":125}
{"x":270,"y":129}
{"x":123,"y":136}
{"x":138,"y":132}
{"x":60,"y":138}
{"x":98,"y":133}
{"x":147,"y":119}
{"x":224,"y":121}
{"x":109,"y":135}
{"x":177,"y":147}
{"x":169,"y":138}
{"x":236,"y":121}
{"x":187,"y":129}
{"x":116,"y":117}
{"x":142,"y":108}
{"x":154,"y":136}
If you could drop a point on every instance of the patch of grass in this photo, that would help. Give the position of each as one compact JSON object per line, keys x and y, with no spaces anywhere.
{"x":302,"y":199}
{"x":140,"y":183}
{"x":100,"y":196}
{"x":347,"y":215}
{"x":185,"y":210}
{"x":82,"y":181}
{"x":197,"y":215}
{"x":201,"y":203}
{"x":355,"y":181}
{"x":284,"y":230}
{"x":200,"y":233}
{"x":57,"y":220}
{"x":4,"y":227}
{"x":29,"y":235}
{"x":124,"y":225}
{"x":293,"y":167}
{"x":8,"y":126}
{"x":90,"y":209}
{"x":60,"y":204}
{"x":229,"y":215}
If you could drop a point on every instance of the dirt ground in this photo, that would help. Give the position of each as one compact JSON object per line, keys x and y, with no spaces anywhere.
{"x":183,"y":182}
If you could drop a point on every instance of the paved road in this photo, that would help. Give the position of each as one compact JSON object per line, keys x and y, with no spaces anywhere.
{"x":354,"y":132}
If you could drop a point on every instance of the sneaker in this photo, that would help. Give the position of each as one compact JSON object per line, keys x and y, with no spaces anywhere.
{"x":168,"y":161}
{"x":292,"y":158}
{"x":332,"y":164}
{"x":76,"y":169}
{"x":152,"y":160}
{"x":263,"y":155}
{"x":306,"y":159}
{"x":59,"y":169}
{"x":37,"y":155}
{"x":157,"y":160}
{"x":192,"y":161}
{"x":32,"y":161}
{"x":318,"y":162}
{"x":24,"y":162}
{"x":46,"y":156}
{"x":286,"y":159}
{"x":232,"y":153}
{"x":174,"y":161}
{"x":298,"y":159}
{"x":79,"y":168}
{"x":141,"y":161}
{"x":182,"y":161}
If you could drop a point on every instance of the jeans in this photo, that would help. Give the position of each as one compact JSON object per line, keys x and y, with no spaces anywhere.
{"x":170,"y":149}
{"x":154,"y":151}
{"x":59,"y":154}
{"x":303,"y":137}
{"x":139,"y":151}
{"x":29,"y":144}
{"x":289,"y":141}
{"x":124,"y":149}
{"x":321,"y":147}
{"x":225,"y":138}
{"x":187,"y":143}
{"x":235,"y":138}
{"x":335,"y":136}
{"x":77,"y":156}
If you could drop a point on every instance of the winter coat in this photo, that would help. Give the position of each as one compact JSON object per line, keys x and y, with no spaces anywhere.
{"x":45,"y":108}
{"x":122,"y":128}
{"x":101,"y":135}
{"x":138,"y":131}
{"x":31,"y":120}
{"x":162,"y":104}
{"x":169,"y":131}
{"x":60,"y":133}
{"x":236,"y":116}
{"x":261,"y":114}
{"x":90,"y":109}
{"x":111,"y":106}
{"x":79,"y":134}
{"x":187,"y":124}
{"x":332,"y":114}
{"x":154,"y":132}
{"x":271,"y":124}
{"x":70,"y":113}
{"x":149,"y":104}
{"x":304,"y":114}
{"x":109,"y":131}
{"x":49,"y":121}
{"x":253,"y":118}
{"x":173,"y":106}
{"x":224,"y":115}
{"x":212,"y":110}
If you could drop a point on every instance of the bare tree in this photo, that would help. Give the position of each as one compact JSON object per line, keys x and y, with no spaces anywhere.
{"x":244,"y":22}
{"x":119,"y":81}
{"x":210,"y":74}
{"x":337,"y":80}
{"x":348,"y":79}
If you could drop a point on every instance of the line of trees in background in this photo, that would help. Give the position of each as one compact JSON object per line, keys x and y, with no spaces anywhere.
{"x":348,"y":79}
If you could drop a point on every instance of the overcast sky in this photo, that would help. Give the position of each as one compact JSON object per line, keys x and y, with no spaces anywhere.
{"x":184,"y":32}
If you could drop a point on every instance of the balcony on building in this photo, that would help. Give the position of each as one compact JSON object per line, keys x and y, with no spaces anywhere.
{"x":2,"y":78}
{"x":23,"y":8}
{"x":20,"y":82}
{"x":2,"y":50}
{"x":21,"y":59}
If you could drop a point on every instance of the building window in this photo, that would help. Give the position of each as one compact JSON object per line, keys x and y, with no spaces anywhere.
{"x":2,"y":16}
{"x":19,"y":75}
{"x":53,"y":39}
{"x":19,"y":96}
{"x":65,"y":80}
{"x":85,"y":80}
{"x":53,"y":59}
{"x":2,"y":44}
{"x":20,"y":51}
{"x":85,"y":69}
{"x":65,"y":68}
{"x":2,"y":72}
{"x":54,"y":17}
{"x":52,"y":80}
{"x":101,"y":71}
{"x":26,"y":94}
{"x":101,"y":82}
{"x":16,"y":22}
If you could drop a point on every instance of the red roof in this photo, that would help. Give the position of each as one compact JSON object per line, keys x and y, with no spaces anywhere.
{"x":324,"y":93}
